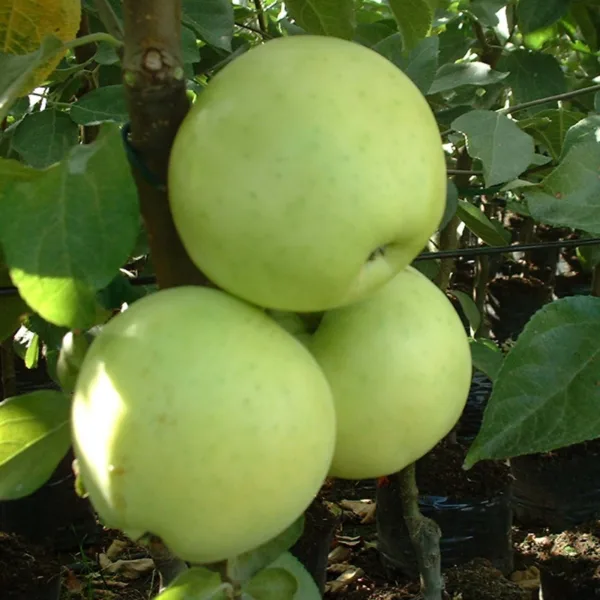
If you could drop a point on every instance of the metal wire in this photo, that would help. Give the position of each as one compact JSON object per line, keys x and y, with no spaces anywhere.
{"x":486,"y":250}
{"x":459,"y":253}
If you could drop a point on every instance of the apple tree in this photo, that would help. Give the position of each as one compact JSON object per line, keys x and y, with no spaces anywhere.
{"x":220,"y":228}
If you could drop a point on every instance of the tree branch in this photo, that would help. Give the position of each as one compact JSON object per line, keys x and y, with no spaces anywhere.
{"x":157,"y":103}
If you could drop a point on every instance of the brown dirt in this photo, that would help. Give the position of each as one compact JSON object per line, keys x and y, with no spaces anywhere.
{"x":27,"y":570}
{"x":440,"y":473}
{"x":32,"y":572}
{"x":479,"y":580}
{"x":569,"y":561}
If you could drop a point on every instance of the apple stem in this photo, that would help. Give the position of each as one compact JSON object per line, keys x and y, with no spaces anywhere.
{"x":167,"y":564}
{"x":424,"y":534}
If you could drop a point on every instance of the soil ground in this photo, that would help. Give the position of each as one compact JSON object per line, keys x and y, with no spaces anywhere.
{"x":33,"y":572}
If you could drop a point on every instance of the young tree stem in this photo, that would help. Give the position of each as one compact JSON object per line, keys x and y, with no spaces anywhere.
{"x":157,"y":104}
{"x":424,"y":534}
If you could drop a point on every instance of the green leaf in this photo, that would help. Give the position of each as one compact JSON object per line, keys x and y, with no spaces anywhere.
{"x":371,"y":34}
{"x":52,"y":335}
{"x":533,"y":75}
{"x":67,"y":230}
{"x":272,"y":584}
{"x":242,"y":568}
{"x":477,"y":221}
{"x":540,"y":38}
{"x":17,"y":69}
{"x":190,"y":52}
{"x":451,"y":76}
{"x":44,"y":138}
{"x":32,"y":353}
{"x":36,"y":434}
{"x":324,"y":17}
{"x":546,"y":394}
{"x":570,"y":195}
{"x":100,"y":105}
{"x":212,"y":20}
{"x":307,"y":588}
{"x":589,"y":256}
{"x":451,"y":203}
{"x":12,"y":307}
{"x":119,"y":291}
{"x":469,"y":308}
{"x":420,"y":64}
{"x":106,"y":54}
{"x":583,"y":18}
{"x":485,"y":10}
{"x":550,"y":127}
{"x":486,"y":357}
{"x":454,"y":42}
{"x":585,"y":130}
{"x":197,"y":583}
{"x":414,"y":18}
{"x":429,"y":268}
{"x":21,"y":341}
{"x":538,"y":14}
{"x":504,"y":150}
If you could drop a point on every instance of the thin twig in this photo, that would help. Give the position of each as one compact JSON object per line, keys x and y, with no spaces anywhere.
{"x":261,"y":17}
{"x":264,"y":34}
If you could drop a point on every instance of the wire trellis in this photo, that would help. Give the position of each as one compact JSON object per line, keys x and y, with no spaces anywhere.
{"x":441,"y":254}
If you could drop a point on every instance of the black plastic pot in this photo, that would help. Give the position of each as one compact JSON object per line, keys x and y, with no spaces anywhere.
{"x":478,"y":528}
{"x":557,"y":491}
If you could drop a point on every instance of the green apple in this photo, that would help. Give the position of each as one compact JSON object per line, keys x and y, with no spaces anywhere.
{"x":399,"y":365}
{"x":292,"y":323}
{"x":197,"y":418}
{"x":308,"y":173}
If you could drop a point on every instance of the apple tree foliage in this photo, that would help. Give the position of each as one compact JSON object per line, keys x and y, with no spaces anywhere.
{"x":513,"y":87}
